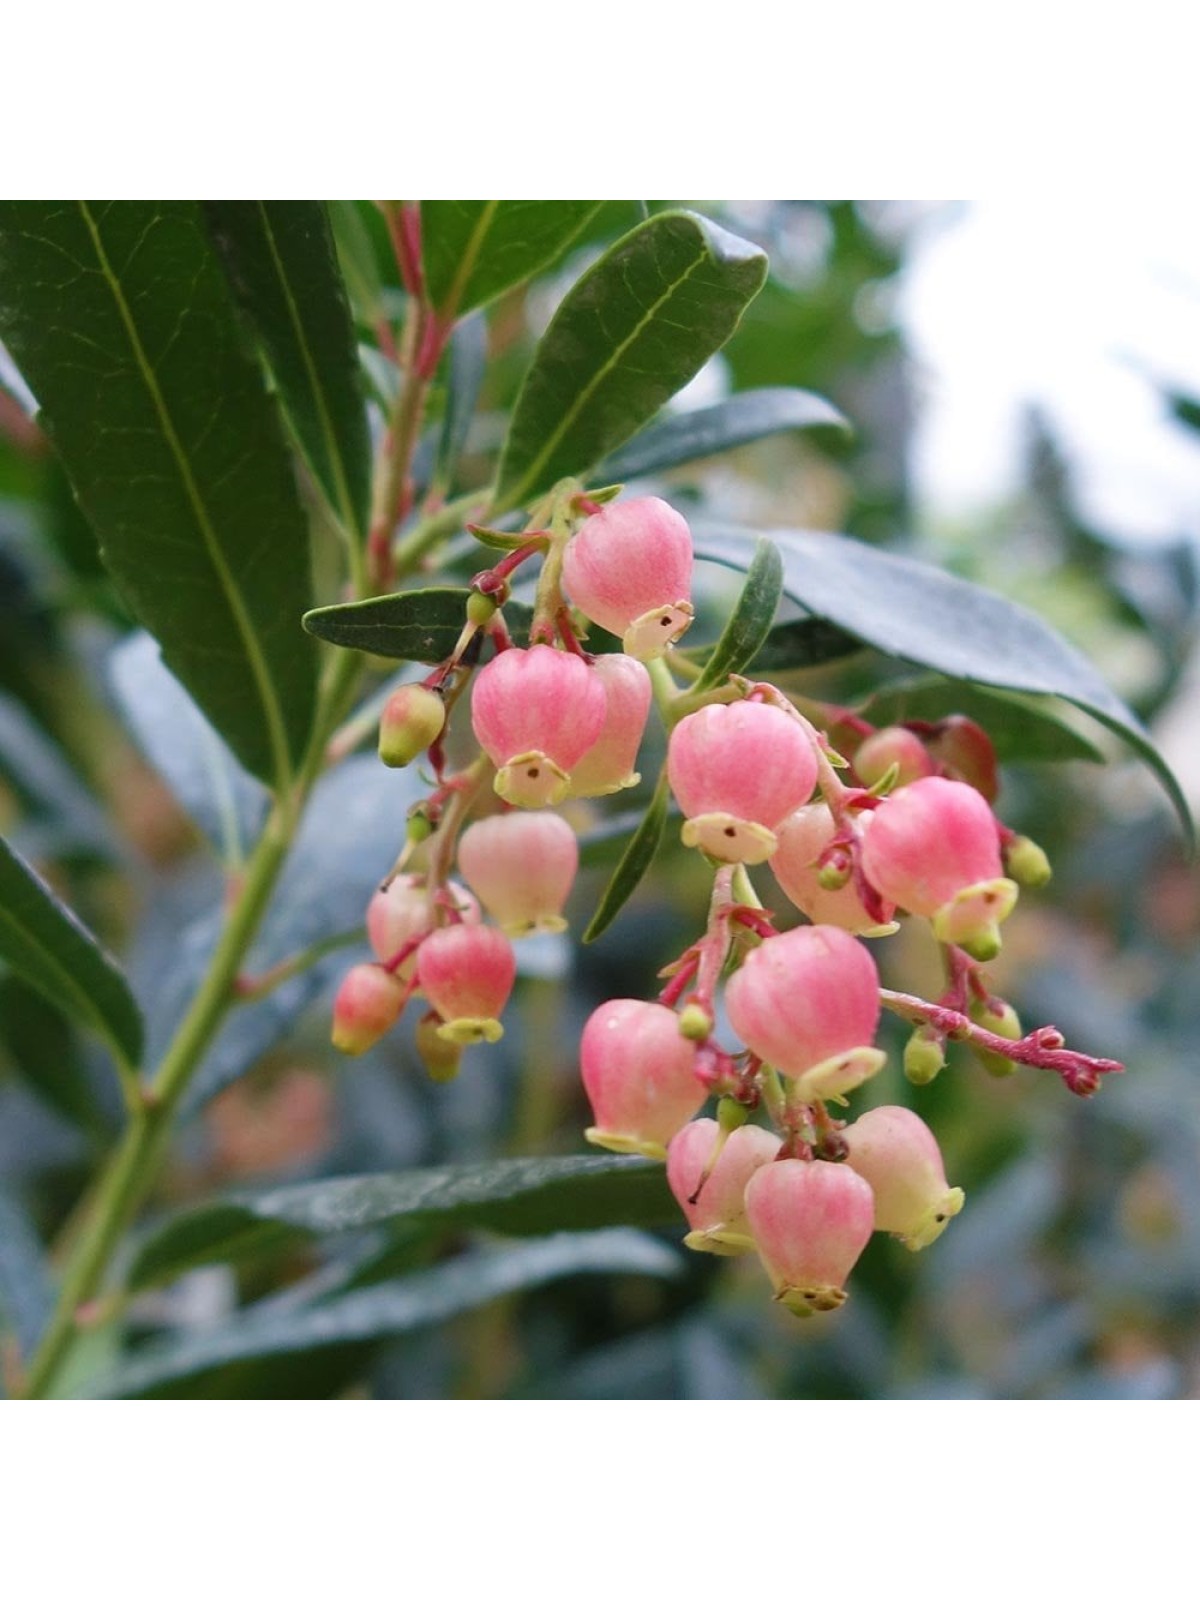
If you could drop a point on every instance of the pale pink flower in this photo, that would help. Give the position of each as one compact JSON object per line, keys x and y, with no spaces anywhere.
{"x":404,"y":911}
{"x":899,"y":1157}
{"x":802,"y":838}
{"x":609,"y":764}
{"x":810,"y":1221}
{"x":717,"y":1216}
{"x":467,"y":973}
{"x":522,"y":866}
{"x":639,"y":1073}
{"x":368,"y":1003}
{"x":536,"y":713}
{"x":629,"y":568}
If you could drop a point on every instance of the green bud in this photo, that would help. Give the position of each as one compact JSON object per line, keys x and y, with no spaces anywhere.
{"x":418,"y":828}
{"x":924,"y":1058}
{"x":412,"y":719}
{"x":441,"y":1056}
{"x":695,"y":1023}
{"x":1007,"y":1025}
{"x":1027,"y":862}
{"x":731,"y":1115}
{"x":481,"y":608}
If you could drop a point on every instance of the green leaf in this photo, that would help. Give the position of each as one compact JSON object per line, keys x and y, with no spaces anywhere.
{"x":357,"y":259}
{"x":124,"y":326}
{"x":49,"y":947}
{"x":473,"y":250}
{"x":801,"y":643}
{"x":1020,"y":728}
{"x":634,"y":329}
{"x":418,"y":625}
{"x":282,"y":263}
{"x":743,"y":418}
{"x":44,"y":1050}
{"x":418,"y":1301}
{"x":919,"y":614}
{"x":527,"y":1196}
{"x":467,"y":365}
{"x":635,"y":862}
{"x":750,"y":620}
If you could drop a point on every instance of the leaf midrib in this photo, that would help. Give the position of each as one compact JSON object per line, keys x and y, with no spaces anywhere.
{"x":258,"y":666}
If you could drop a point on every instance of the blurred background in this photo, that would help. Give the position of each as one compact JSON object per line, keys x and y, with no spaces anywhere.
{"x":1024,"y":384}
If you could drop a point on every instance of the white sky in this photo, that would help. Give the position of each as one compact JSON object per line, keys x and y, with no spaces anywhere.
{"x":1078,"y":306}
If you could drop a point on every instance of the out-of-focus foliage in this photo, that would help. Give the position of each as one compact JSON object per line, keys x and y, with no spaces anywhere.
{"x":1074,"y":1269}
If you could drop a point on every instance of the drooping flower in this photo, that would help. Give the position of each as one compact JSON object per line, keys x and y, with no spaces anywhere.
{"x":467,"y":972}
{"x":802,"y":838}
{"x":807,"y":1002}
{"x":899,"y":1157}
{"x":717,"y":1214}
{"x":934,"y":849}
{"x":737,"y":771}
{"x":629,"y":568}
{"x":639,"y":1073}
{"x":368,"y":1003}
{"x":609,"y":764}
{"x":403,"y":911}
{"x":536,"y":713}
{"x":810,"y":1221}
{"x":522,"y":866}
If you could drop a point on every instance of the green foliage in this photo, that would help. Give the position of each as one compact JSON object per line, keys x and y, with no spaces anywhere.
{"x":750,"y":620}
{"x":635,"y":861}
{"x":418,"y":625}
{"x":121,"y":320}
{"x":475,"y":250}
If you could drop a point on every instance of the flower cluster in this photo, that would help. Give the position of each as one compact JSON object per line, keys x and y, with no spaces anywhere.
{"x":863,"y":828}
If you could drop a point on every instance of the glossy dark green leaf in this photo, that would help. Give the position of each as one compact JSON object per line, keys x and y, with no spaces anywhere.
{"x":418,"y":625}
{"x":47,"y":946}
{"x":1021,"y":728}
{"x":385,"y":1309}
{"x":801,"y":643}
{"x":122,"y":321}
{"x":357,"y":259}
{"x":282,"y":263}
{"x":635,"y":862}
{"x":750,"y":620}
{"x":743,"y":418}
{"x":919,"y":614}
{"x":26,"y":1290}
{"x":45,"y":1051}
{"x":531,"y":1195}
{"x":473,"y":250}
{"x":636,"y":327}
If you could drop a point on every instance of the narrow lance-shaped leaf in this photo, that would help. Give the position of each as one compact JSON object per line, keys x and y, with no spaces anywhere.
{"x":741,"y":419}
{"x":473,"y":250}
{"x":123,"y":323}
{"x":282,"y":263}
{"x":385,"y":1309}
{"x":635,"y":863}
{"x":636,"y":327}
{"x":750,"y":620}
{"x":49,"y":947}
{"x":919,"y":614}
{"x":526,"y":1196}
{"x":418,"y":625}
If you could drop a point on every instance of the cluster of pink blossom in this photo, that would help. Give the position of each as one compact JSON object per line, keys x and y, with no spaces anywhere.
{"x":858,"y":825}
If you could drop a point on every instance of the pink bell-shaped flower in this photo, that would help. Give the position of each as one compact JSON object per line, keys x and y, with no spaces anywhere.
{"x":807,"y":1002}
{"x":522,"y":866}
{"x":899,"y":1157}
{"x":934,"y":849}
{"x":629,"y":568}
{"x":404,"y":911}
{"x":467,"y":973}
{"x":608,"y":765}
{"x":536,"y":712}
{"x":810,"y":1221}
{"x":717,"y":1215}
{"x":802,"y":838}
{"x":639,"y":1073}
{"x":737,"y":771}
{"x":368,"y":1003}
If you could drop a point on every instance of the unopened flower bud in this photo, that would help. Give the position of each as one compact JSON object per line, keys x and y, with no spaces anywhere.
{"x":738,"y":771}
{"x":807,"y":1002}
{"x":412,"y":719}
{"x":892,"y":747}
{"x":810,"y":1220}
{"x":536,"y":713}
{"x":803,"y":838}
{"x":467,"y":972}
{"x":924,"y":1058}
{"x":639,"y":1073}
{"x":629,"y":568}
{"x":403,"y":911}
{"x":440,"y":1056}
{"x":1027,"y":862}
{"x":708,"y":1171}
{"x":367,"y":1005}
{"x":998,"y":1017}
{"x":481,"y":608}
{"x":934,"y":849}
{"x":522,"y":866}
{"x":899,"y":1157}
{"x":695,"y":1022}
{"x":609,"y":764}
